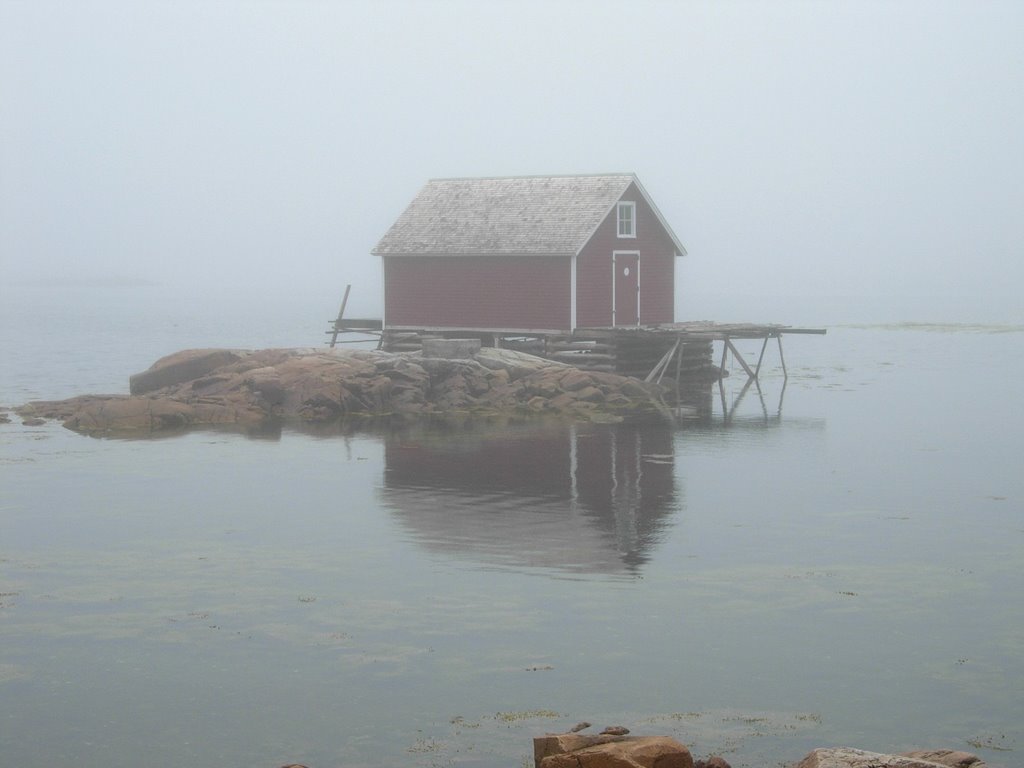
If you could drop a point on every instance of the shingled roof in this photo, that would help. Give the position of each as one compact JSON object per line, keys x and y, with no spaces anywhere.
{"x":525,"y":215}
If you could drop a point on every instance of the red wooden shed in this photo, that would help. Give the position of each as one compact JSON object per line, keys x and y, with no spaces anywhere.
{"x":529,"y":254}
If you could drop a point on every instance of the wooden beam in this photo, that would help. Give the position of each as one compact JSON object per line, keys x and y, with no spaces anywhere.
{"x":739,"y":357}
{"x":358,"y":323}
{"x":661,"y":364}
{"x":341,"y":313}
{"x":757,"y":371}
{"x":671,"y":354}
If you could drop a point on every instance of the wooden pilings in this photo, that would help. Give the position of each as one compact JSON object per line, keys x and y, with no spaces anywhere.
{"x":680,"y":351}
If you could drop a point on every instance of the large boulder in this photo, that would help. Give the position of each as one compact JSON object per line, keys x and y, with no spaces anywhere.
{"x":516,"y":364}
{"x":182,"y":366}
{"x":572,"y":750}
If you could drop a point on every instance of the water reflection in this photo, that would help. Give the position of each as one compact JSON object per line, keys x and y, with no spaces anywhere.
{"x":577,"y":499}
{"x":695,"y":402}
{"x":730,"y":405}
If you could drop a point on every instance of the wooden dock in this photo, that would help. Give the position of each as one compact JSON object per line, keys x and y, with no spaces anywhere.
{"x":676,"y":350}
{"x":681,"y":351}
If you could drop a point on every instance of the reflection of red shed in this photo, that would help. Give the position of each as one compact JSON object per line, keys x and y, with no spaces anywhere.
{"x":535,"y":254}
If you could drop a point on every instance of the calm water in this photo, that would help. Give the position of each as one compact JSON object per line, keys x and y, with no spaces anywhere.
{"x":836,"y":561}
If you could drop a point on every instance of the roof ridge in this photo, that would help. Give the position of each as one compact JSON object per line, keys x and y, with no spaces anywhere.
{"x":626,"y":174}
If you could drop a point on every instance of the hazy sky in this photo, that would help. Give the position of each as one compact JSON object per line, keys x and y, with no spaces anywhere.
{"x":798,"y":148}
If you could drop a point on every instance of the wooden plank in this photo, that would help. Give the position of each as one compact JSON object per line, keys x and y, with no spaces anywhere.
{"x":466,"y":329}
{"x":580,"y":346}
{"x":370,"y":323}
{"x":581,"y":357}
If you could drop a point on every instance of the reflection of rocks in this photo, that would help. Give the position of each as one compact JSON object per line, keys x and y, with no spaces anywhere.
{"x":580,"y":499}
{"x":209,"y":387}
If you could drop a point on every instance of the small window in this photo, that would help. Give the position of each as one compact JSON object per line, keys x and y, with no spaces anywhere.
{"x":627,"y":219}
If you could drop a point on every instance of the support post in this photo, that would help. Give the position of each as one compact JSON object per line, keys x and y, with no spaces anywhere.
{"x":764,"y":344}
{"x":341,"y":313}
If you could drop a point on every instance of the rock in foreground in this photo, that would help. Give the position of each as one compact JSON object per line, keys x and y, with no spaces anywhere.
{"x":845,"y":757}
{"x":609,"y":751}
{"x":219,"y":387}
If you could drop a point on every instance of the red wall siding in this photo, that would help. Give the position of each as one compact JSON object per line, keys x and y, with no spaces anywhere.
{"x":657,"y":269}
{"x":477,"y":292}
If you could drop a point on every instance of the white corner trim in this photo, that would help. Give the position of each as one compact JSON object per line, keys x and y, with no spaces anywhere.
{"x":572,"y":293}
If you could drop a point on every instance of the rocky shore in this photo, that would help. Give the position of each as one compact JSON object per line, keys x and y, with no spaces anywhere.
{"x":205,"y":387}
{"x":611,"y":750}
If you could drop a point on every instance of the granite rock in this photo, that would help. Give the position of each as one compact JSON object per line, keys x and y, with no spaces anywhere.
{"x":845,"y":757}
{"x":573,"y":750}
{"x":214,"y":387}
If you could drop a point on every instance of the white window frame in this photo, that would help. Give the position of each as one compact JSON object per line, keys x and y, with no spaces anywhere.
{"x":619,"y":221}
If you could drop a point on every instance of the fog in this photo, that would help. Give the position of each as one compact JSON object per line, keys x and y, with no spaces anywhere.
{"x":804,"y":152}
